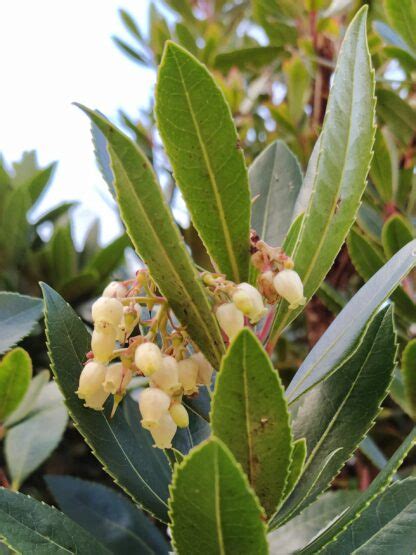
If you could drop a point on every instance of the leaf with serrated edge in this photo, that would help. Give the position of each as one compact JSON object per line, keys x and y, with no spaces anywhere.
{"x":30,"y":526}
{"x":377,"y":486}
{"x":296,"y":465}
{"x":409,"y":374}
{"x":156,"y":238}
{"x":397,"y":232}
{"x":128,"y":457}
{"x":342,"y":406}
{"x":340,"y":339}
{"x":200,"y":139}
{"x":249,"y":414}
{"x":212,"y":507}
{"x":18,"y":315}
{"x":342,"y":166}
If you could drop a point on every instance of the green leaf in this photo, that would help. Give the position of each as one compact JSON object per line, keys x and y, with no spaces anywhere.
{"x":252,"y":58}
{"x":28,"y":526}
{"x":18,"y":315}
{"x":63,"y":254}
{"x":409,"y":374}
{"x":128,"y":457}
{"x":331,"y":298}
{"x":14,"y":227}
{"x":402,"y":17}
{"x":106,"y":514}
{"x":276,"y":178}
{"x":131,"y":52}
{"x":381,"y":170}
{"x":298,"y":87}
{"x":212,"y":507}
{"x":54,"y":214}
{"x":275,"y":18}
{"x":300,"y":530}
{"x":249,"y":415}
{"x":370,"y":449}
{"x":397,"y":114}
{"x":406,"y":60}
{"x":29,"y":400}
{"x":385,"y":527}
{"x":29,"y":443}
{"x":377,"y":486}
{"x":107,"y":259}
{"x":207,"y":162}
{"x":38,"y":183}
{"x":186,"y":38}
{"x":15,"y":374}
{"x":157,"y":240}
{"x":397,"y":232}
{"x":296,"y":465}
{"x":340,"y":339}
{"x":342,"y":166}
{"x":356,"y":391}
{"x":80,"y":286}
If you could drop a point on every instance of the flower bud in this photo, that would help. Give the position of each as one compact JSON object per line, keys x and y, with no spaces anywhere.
{"x":188,"y":375}
{"x":153,"y":404}
{"x":289,"y":286}
{"x":117,"y":378}
{"x":167,"y":377}
{"x":247,"y":299}
{"x":148,"y":358}
{"x":116,"y":290}
{"x":179,"y":415}
{"x":230,"y":319}
{"x":163,"y":433}
{"x":107,"y":310}
{"x":205,"y":369}
{"x":90,"y":387}
{"x":103,"y":341}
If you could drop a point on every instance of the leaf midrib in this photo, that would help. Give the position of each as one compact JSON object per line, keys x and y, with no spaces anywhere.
{"x":247,"y":417}
{"x":218,"y":503}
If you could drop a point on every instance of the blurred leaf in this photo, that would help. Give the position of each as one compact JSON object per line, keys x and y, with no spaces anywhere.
{"x":186,"y":39}
{"x":249,"y":414}
{"x":133,"y":54}
{"x":15,"y":374}
{"x":156,"y":239}
{"x":381,"y":171}
{"x":130,"y":24}
{"x":409,"y":374}
{"x":211,"y":475}
{"x":29,"y":526}
{"x":397,"y":232}
{"x":407,"y":61}
{"x":337,"y":7}
{"x":25,"y":168}
{"x":143,"y":472}
{"x":298,"y":83}
{"x":63,"y":254}
{"x":373,"y":453}
{"x":342,"y":166}
{"x":29,"y":443}
{"x":29,"y":400}
{"x":54,"y":214}
{"x":276,"y":177}
{"x":158,"y":30}
{"x":78,"y":287}
{"x":333,"y":300}
{"x":109,"y":258}
{"x":37,"y":184}
{"x":252,"y":58}
{"x":18,"y":315}
{"x":14,"y":232}
{"x":402,"y":17}
{"x":397,"y":114}
{"x":183,"y":8}
{"x":106,"y":514}
{"x":398,"y":393}
{"x":275,"y":18}
{"x":207,"y":161}
{"x":389,"y":36}
{"x":370,"y":221}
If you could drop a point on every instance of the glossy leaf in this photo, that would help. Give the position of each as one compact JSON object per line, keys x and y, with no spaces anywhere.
{"x":227,"y":517}
{"x":106,"y":514}
{"x":15,"y":374}
{"x":128,"y":457}
{"x":402,"y":16}
{"x":249,"y":415}
{"x":355,"y":391}
{"x":397,"y":232}
{"x":276,"y":179}
{"x":381,"y":170}
{"x":409,"y":374}
{"x":342,"y":166}
{"x":29,"y":526}
{"x":340,"y":339}
{"x":156,"y":238}
{"x":296,"y":465}
{"x":208,"y":164}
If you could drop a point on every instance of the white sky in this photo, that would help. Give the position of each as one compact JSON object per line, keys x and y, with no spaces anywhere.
{"x":55,"y":52}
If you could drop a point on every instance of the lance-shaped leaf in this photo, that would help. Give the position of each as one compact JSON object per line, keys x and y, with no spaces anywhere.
{"x":15,"y":374}
{"x":342,"y":166}
{"x":339,"y":411}
{"x":201,"y":141}
{"x":28,"y":526}
{"x":18,"y":315}
{"x":296,"y":465}
{"x":250,"y":416}
{"x":142,"y":471}
{"x":112,"y":518}
{"x":381,"y":171}
{"x":340,"y":339}
{"x":276,"y":179}
{"x":378,"y":485}
{"x":156,"y":238}
{"x":409,"y":374}
{"x":402,"y":16}
{"x":397,"y":232}
{"x":212,"y":507}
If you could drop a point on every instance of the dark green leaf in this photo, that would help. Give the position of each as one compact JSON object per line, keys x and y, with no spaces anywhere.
{"x":207,"y":162}
{"x":107,"y":259}
{"x":296,"y":465}
{"x":79,"y":286}
{"x":63,"y":254}
{"x":247,"y":58}
{"x":381,"y":170}
{"x":409,"y":374}
{"x":55,"y":213}
{"x":397,"y":232}
{"x":18,"y":315}
{"x":128,"y":457}
{"x":15,"y":375}
{"x":110,"y":517}
{"x":212,"y":507}
{"x":397,"y":114}
{"x":249,"y":414}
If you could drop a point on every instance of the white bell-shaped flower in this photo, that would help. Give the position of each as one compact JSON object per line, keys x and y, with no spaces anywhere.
{"x":188,"y":375}
{"x":205,"y":369}
{"x":116,"y":290}
{"x":167,"y":377}
{"x":148,"y":358}
{"x":153,"y":404}
{"x":108,"y":310}
{"x":117,"y":378}
{"x":249,"y":300}
{"x":230,"y":319}
{"x":180,"y":415}
{"x":289,"y":286}
{"x":103,"y":342}
{"x":164,"y":432}
{"x":90,"y":387}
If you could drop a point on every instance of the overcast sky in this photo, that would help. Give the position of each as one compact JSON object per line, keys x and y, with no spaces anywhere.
{"x":52,"y":54}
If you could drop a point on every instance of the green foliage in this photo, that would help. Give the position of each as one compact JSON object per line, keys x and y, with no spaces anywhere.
{"x":409,"y":374}
{"x":397,"y":232}
{"x":15,"y":374}
{"x":18,"y":315}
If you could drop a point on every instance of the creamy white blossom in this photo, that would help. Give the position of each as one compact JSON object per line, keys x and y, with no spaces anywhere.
{"x":188,"y":375}
{"x":148,"y":358}
{"x":153,"y":404}
{"x":289,"y":286}
{"x":230,"y":319}
{"x":249,"y":300}
{"x":107,"y":310}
